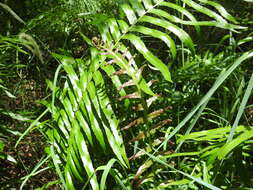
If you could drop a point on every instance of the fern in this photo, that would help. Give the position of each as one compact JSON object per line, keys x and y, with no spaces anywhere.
{"x":83,"y":112}
{"x":84,"y":119}
{"x":144,"y":17}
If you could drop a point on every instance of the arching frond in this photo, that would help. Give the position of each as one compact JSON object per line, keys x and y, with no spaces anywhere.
{"x":85,"y":119}
{"x":160,"y":19}
{"x":83,"y":111}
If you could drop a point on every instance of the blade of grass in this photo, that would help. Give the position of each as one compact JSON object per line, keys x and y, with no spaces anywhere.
{"x":34,"y":171}
{"x":35,"y":122}
{"x":193,"y":124}
{"x":105,"y":173}
{"x":198,"y":180}
{"x":216,"y":85}
{"x":241,"y":108}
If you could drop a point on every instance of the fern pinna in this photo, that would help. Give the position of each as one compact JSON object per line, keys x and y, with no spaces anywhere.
{"x":87,"y":126}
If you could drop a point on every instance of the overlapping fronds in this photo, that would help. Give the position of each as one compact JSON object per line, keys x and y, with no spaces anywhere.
{"x":159,"y":19}
{"x":156,"y":19}
{"x":86,"y":122}
{"x":82,"y":110}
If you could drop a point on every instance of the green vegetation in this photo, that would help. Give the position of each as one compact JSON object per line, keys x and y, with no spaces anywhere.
{"x":126,"y":94}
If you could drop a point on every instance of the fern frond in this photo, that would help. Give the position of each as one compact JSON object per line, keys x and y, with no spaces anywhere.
{"x":85,"y":119}
{"x":158,"y":19}
{"x":83,"y":111}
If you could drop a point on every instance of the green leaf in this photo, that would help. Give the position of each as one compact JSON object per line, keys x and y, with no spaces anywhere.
{"x":223,"y":76}
{"x":107,"y":169}
{"x":181,"y":34}
{"x":157,"y":34}
{"x":140,"y":46}
{"x":85,"y":157}
{"x":221,"y":10}
{"x":228,"y":147}
{"x":1,"y":146}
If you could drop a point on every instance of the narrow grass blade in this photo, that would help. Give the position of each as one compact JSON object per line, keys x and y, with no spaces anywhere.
{"x":216,"y":85}
{"x":107,"y":169}
{"x":34,"y":123}
{"x":33,"y":171}
{"x":241,"y":108}
{"x":198,"y":180}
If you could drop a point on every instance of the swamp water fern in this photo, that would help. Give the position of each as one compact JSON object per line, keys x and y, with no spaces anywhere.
{"x":85,"y":134}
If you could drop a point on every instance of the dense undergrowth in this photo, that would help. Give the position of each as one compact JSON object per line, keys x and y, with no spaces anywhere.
{"x":127,"y":94}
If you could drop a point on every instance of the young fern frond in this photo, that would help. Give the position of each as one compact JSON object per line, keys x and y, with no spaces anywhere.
{"x":127,"y":66}
{"x":123,"y":59}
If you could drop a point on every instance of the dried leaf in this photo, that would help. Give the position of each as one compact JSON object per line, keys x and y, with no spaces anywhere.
{"x":157,"y":112}
{"x":141,"y":135}
{"x":128,"y":83}
{"x":142,"y":169}
{"x":152,"y":82}
{"x":150,"y":117}
{"x":120,"y":72}
{"x":139,"y":72}
{"x":149,"y":101}
{"x":133,"y":123}
{"x":130,"y":96}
